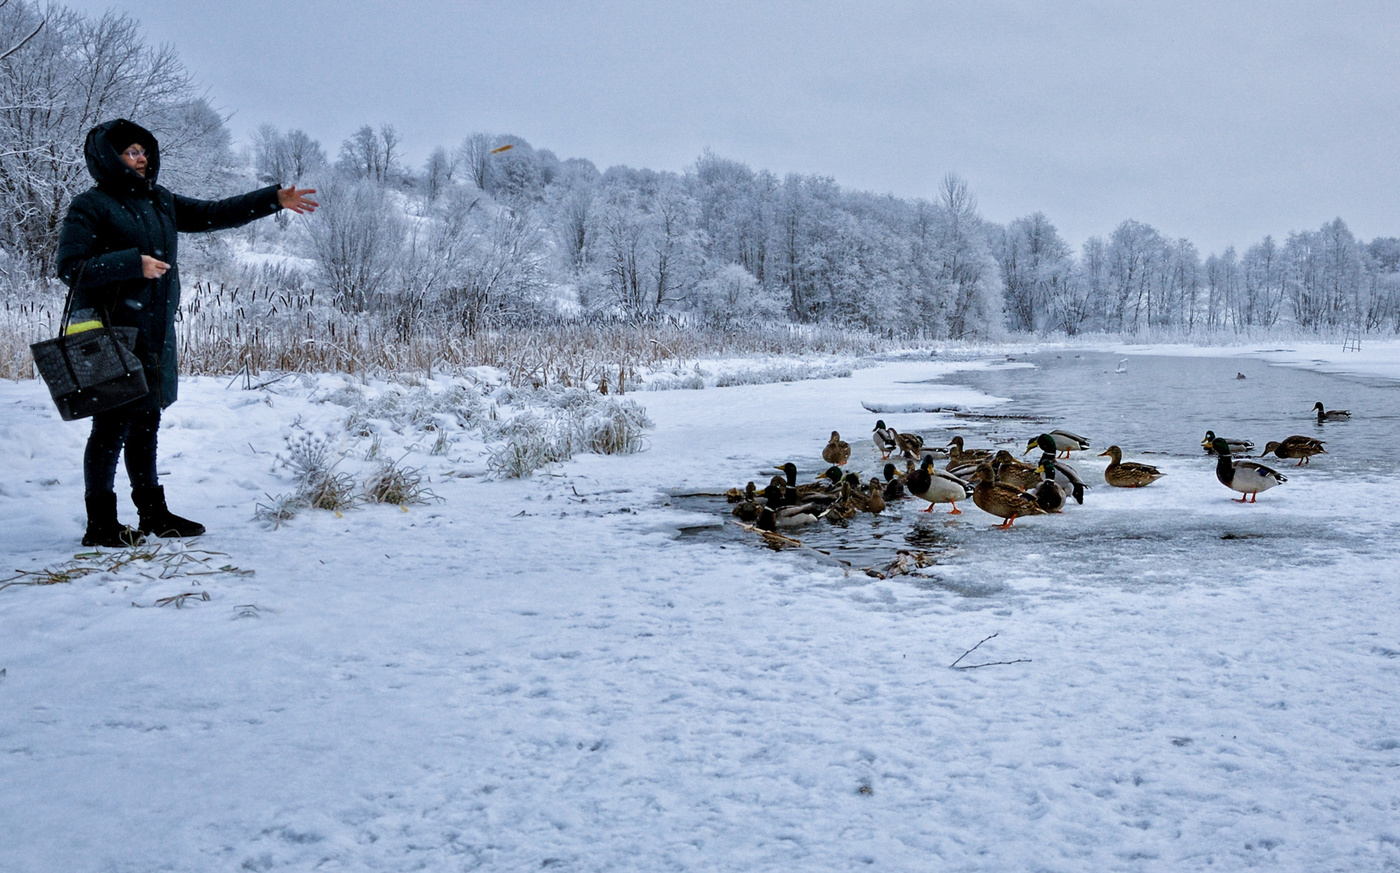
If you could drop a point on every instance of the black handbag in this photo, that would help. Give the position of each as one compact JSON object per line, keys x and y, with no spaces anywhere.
{"x":91,"y":371}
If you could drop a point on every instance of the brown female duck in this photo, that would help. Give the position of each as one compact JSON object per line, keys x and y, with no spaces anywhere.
{"x":1130,"y":474}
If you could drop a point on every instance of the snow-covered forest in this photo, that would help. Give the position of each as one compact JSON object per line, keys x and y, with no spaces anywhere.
{"x":492,"y":233}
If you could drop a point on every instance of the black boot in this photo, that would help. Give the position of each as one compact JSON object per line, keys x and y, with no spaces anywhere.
{"x":157,"y":520}
{"x":103,"y":529}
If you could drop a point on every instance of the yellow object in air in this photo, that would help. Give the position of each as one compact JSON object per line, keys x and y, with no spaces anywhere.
{"x":82,"y":326}
{"x":505,"y":148}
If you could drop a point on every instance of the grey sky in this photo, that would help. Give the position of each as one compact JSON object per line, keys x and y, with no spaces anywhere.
{"x":1219,"y":122}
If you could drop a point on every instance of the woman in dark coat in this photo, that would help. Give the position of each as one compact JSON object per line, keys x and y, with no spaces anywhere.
{"x":117,"y":251}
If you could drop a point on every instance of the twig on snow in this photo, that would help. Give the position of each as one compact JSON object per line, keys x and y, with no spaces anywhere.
{"x":955,"y":666}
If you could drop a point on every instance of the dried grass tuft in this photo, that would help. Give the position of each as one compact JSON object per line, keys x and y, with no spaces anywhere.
{"x":399,"y":485}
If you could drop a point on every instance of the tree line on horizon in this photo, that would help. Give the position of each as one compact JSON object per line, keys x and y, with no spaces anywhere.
{"x":496,"y":232}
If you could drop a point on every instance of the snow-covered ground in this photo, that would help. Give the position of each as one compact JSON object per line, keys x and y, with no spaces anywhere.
{"x":544,"y":674}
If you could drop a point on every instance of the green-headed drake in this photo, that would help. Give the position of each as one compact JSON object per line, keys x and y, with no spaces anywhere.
{"x":937,"y":486}
{"x":1246,"y":477}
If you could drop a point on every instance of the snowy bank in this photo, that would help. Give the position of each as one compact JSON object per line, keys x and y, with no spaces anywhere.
{"x":545,"y":673}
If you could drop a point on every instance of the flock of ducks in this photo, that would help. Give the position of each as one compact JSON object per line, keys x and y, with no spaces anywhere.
{"x":994,"y":480}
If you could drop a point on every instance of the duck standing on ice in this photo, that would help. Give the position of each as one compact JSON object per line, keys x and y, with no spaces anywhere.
{"x":1246,"y":477}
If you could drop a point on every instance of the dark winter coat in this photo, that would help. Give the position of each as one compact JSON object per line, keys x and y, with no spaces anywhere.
{"x":124,"y":216}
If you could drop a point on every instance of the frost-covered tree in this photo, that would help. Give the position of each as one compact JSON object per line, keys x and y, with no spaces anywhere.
{"x":1263,"y":274}
{"x":967,"y":270}
{"x":285,"y":158}
{"x":648,"y":249}
{"x":437,"y":174}
{"x":356,"y":239}
{"x":1035,"y":267}
{"x":732,"y":295}
{"x":1382,"y":276}
{"x":370,"y":154}
{"x":571,"y":207}
{"x":68,"y":76}
{"x":1082,"y":306}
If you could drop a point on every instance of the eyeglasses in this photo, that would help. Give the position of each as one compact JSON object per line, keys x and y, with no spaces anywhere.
{"x":134,"y":153}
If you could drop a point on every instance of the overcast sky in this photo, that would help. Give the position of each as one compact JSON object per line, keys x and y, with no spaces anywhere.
{"x":1220,"y":122}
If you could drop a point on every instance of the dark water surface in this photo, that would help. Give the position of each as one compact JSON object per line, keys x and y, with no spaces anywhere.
{"x":1165,"y":405}
{"x":1157,"y":409}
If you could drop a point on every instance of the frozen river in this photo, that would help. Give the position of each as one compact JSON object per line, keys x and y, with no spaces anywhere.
{"x":1182,"y":529}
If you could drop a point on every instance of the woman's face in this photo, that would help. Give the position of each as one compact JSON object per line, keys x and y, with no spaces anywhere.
{"x":134,"y":156}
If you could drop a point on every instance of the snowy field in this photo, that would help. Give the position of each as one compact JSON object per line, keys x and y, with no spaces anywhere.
{"x":548,"y":674}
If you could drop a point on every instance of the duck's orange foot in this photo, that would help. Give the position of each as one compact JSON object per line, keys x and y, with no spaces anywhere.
{"x":953,"y":511}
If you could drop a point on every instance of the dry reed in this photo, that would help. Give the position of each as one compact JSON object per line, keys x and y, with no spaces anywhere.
{"x":224,"y":329}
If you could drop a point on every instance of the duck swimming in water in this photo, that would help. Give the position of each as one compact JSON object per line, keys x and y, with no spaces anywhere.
{"x":894,"y":484}
{"x":786,"y":517}
{"x":1324,"y":415}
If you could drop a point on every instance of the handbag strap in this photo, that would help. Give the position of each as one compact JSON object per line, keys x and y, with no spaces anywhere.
{"x":106,"y":325}
{"x":68,"y":299}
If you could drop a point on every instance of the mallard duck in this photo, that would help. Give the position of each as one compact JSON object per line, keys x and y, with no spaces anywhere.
{"x":1296,"y":446}
{"x":1010,"y":471}
{"x":885,"y":439}
{"x":837,"y":450}
{"x":911,"y":445}
{"x":1237,"y":447}
{"x":1062,"y":472}
{"x":894,"y":484}
{"x":958,"y":454}
{"x":1131,"y":474}
{"x":1065,"y":476}
{"x":935,"y":486}
{"x":749,"y":503}
{"x":1246,"y":477}
{"x":786,"y":517}
{"x":1049,"y":495}
{"x":848,"y":502}
{"x":1064,"y":441}
{"x":827,"y":483}
{"x":966,"y":472}
{"x":1003,"y":501}
{"x":748,"y":510}
{"x":775,"y":494}
{"x":1330,"y":414}
{"x":738,"y":495}
{"x":875,"y":496}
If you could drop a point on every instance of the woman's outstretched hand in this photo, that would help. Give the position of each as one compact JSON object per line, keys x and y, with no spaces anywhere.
{"x":295,"y":199}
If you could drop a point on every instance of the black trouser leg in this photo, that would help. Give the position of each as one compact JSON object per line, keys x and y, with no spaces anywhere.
{"x":112,"y":432}
{"x":141,"y":449}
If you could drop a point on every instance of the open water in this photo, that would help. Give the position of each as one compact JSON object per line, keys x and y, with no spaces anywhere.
{"x":1157,"y":409}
